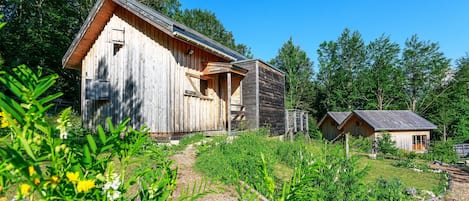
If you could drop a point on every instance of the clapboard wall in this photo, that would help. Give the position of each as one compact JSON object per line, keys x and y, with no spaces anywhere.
{"x":264,"y":96}
{"x":148,"y":78}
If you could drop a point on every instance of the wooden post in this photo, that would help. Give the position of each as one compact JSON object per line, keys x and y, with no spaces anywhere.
{"x":301,"y":121}
{"x":294,"y":121}
{"x":287,"y":125}
{"x":346,"y":146}
{"x":228,"y":118}
{"x":307,"y":128}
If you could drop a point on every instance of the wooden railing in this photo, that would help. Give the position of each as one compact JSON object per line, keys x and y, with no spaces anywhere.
{"x":237,"y":116}
{"x":296,"y":121}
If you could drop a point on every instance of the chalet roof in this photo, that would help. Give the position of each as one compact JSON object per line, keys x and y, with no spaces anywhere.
{"x":102,"y":12}
{"x":338,"y":117}
{"x":392,"y":120}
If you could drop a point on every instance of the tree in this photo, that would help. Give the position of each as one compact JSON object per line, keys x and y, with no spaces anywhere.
{"x":341,"y":64}
{"x":383,"y":75}
{"x":207,"y":23}
{"x":424,"y":68}
{"x":298,"y":68}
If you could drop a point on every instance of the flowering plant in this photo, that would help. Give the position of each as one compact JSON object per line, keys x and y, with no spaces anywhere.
{"x":41,"y":161}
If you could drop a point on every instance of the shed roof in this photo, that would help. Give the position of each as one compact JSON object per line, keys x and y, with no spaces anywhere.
{"x":392,"y":120}
{"x":338,"y":117}
{"x":102,"y":12}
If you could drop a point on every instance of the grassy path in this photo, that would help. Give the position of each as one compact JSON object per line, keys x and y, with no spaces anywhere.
{"x":187,"y":176}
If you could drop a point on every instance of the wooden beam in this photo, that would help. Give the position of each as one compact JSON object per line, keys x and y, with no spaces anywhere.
{"x":228,"y":80}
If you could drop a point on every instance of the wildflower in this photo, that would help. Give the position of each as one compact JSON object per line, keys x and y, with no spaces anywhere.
{"x":36,"y":181}
{"x":54,"y":179}
{"x":31,"y":171}
{"x":111,"y":187}
{"x":1,"y":189}
{"x":3,"y":120}
{"x":3,"y":199}
{"x":25,"y":189}
{"x":85,"y":185}
{"x":72,"y":176}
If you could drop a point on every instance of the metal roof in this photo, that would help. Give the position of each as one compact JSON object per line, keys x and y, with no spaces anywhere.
{"x":389,"y":120}
{"x":338,"y":117}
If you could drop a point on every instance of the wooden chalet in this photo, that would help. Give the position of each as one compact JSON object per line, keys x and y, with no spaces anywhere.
{"x":140,"y":64}
{"x":410,"y":131}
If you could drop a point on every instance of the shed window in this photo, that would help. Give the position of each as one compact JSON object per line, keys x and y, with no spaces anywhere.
{"x":197,"y":86}
{"x":419,"y":142}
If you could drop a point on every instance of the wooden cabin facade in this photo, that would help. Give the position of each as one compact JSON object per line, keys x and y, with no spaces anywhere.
{"x":410,"y":131}
{"x":263,"y":96}
{"x":140,"y":64}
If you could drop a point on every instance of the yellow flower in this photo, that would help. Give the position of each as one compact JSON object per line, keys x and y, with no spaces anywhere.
{"x":72,"y":176}
{"x":3,"y":199}
{"x":36,"y":181}
{"x":85,"y":185}
{"x":24,"y":189}
{"x":1,"y":189}
{"x":3,"y":120}
{"x":32,"y":171}
{"x":55,"y":179}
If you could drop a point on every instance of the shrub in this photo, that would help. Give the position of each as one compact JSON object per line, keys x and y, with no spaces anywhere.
{"x":442,"y":151}
{"x":43,"y":160}
{"x":392,"y":189}
{"x":386,"y":145}
{"x":360,"y":144}
{"x":411,"y":164}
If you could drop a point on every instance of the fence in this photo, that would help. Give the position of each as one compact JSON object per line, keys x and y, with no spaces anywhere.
{"x":462,"y":150}
{"x":296,"y":121}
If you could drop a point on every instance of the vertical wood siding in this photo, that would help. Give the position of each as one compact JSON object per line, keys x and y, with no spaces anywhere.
{"x":264,"y":91}
{"x":148,"y":80}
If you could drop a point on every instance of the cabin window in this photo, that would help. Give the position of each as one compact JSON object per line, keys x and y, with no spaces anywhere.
{"x":117,"y":39}
{"x":419,"y":142}
{"x":197,"y":86}
{"x":204,"y":87}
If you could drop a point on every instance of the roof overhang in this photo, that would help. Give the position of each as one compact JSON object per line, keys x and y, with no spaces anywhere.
{"x":102,"y":13}
{"x":222,"y":67}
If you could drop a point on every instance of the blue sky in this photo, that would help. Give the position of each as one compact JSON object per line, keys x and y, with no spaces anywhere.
{"x":266,"y":25}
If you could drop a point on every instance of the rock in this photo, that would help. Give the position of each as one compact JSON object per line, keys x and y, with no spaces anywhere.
{"x":411,"y":191}
{"x":431,"y":194}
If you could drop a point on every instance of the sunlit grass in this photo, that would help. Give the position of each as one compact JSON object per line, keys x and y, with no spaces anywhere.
{"x":410,"y":178}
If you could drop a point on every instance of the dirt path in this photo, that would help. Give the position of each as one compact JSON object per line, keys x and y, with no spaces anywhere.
{"x":187,"y":176}
{"x":459,"y":183}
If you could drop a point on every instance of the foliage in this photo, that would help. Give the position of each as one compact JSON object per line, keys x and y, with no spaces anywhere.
{"x":41,"y":160}
{"x":411,"y":164}
{"x":360,"y":144}
{"x":392,"y":189}
{"x":424,"y":67}
{"x":442,"y":151}
{"x":386,"y":145}
{"x":341,"y":64}
{"x":298,"y":74}
{"x":383,"y":76}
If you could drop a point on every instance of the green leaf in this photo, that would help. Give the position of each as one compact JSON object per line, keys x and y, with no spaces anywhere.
{"x":102,"y":134}
{"x":86,"y":155}
{"x":92,"y":143}
{"x":27,"y":148}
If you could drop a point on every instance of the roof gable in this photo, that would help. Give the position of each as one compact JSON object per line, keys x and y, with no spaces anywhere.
{"x":338,"y":117}
{"x":102,"y":12}
{"x":391,"y":120}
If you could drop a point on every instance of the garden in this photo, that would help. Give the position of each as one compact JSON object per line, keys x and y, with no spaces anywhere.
{"x":47,"y":157}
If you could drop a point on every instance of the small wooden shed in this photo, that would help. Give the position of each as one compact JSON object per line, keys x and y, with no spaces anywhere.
{"x":410,"y":131}
{"x":140,"y":64}
{"x":263,"y":90}
{"x":330,"y":122}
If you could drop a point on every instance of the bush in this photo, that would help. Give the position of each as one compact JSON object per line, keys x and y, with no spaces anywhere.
{"x":360,"y":144}
{"x":442,"y":151}
{"x":392,"y":189}
{"x":386,"y":145}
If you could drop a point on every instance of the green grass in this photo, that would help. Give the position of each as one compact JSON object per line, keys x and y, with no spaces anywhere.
{"x":410,"y":178}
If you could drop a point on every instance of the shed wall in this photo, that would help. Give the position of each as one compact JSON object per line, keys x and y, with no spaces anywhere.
{"x":329,"y":128}
{"x":148,"y":78}
{"x":250,"y":91}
